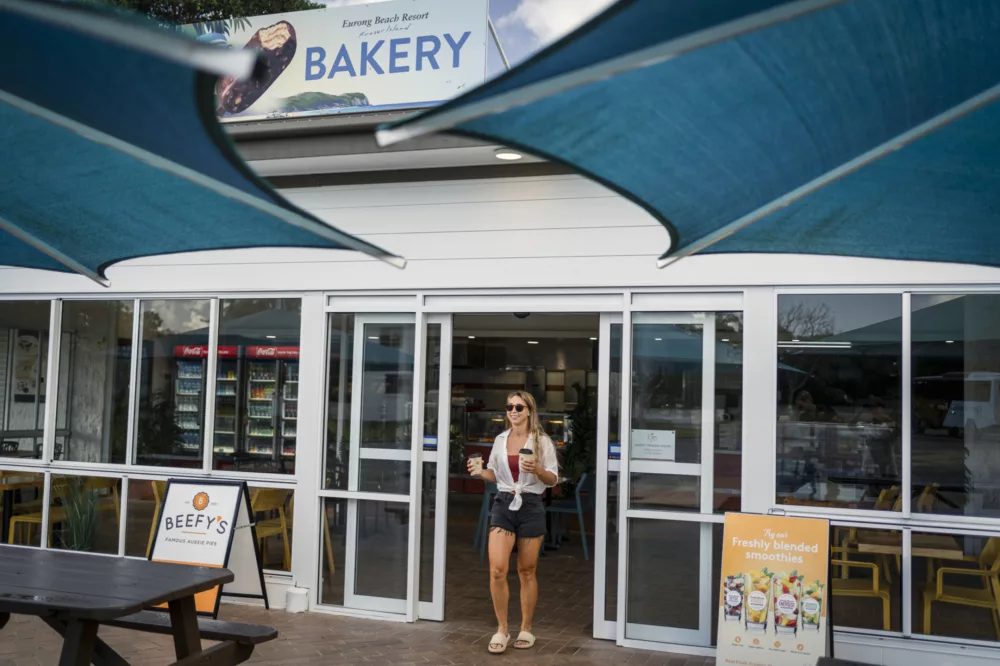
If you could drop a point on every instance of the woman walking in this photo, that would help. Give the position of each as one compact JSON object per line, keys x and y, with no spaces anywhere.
{"x":523,"y":464}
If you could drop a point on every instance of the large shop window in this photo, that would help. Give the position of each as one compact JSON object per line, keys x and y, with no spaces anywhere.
{"x":257,"y":385}
{"x":156,"y":408}
{"x":24,"y":343}
{"x":94,"y":380}
{"x":839,"y":400}
{"x":956,"y":404}
{"x":169,"y":422}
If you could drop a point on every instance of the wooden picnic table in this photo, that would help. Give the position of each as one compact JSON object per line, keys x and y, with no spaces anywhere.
{"x":75,"y":593}
{"x":936,"y":546}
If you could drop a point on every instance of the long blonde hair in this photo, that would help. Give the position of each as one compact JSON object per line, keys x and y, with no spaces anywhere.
{"x":534,"y":426}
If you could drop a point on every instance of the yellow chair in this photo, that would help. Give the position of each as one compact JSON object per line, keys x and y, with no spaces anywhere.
{"x":885,"y":502}
{"x":30,"y":506}
{"x":328,"y":541}
{"x":986,"y":597}
{"x":263,"y":500}
{"x":57,"y":514}
{"x":159,"y":488}
{"x":927,"y":501}
{"x":842,"y":587}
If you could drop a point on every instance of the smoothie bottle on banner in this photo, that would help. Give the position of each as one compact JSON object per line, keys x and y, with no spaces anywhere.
{"x":733,"y":599}
{"x":758,"y":600}
{"x":787,"y":590}
{"x":812,"y":605}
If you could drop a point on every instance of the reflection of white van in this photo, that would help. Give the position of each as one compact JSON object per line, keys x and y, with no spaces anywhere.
{"x":980,"y":404}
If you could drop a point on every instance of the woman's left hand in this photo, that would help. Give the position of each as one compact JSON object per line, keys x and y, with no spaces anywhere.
{"x":529,"y":467}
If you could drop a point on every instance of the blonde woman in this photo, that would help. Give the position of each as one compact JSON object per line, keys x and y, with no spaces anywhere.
{"x":518,"y":512}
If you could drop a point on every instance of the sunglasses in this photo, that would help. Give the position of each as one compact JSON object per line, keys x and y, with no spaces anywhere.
{"x":519,"y":408}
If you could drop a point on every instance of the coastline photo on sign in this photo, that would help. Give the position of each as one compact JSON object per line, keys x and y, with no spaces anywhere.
{"x":773,"y":606}
{"x":402,"y":54}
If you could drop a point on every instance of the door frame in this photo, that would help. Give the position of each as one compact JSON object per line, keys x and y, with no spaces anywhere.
{"x":434,"y":609}
{"x":613,"y":306}
{"x":442,"y":310}
{"x":671,"y":309}
{"x":603,"y":627}
{"x":357,"y":452}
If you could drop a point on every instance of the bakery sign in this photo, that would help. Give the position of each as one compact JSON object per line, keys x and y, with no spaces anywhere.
{"x":388,"y":55}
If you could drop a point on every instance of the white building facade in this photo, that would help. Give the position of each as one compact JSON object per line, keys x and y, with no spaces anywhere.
{"x":815,"y":386}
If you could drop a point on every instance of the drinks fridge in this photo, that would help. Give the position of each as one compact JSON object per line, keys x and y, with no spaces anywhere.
{"x":272,"y":381}
{"x":227,"y":402}
{"x":189,"y":395}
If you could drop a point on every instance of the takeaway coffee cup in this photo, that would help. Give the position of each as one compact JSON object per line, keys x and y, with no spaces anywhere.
{"x":476,"y":464}
{"x":525,"y":455}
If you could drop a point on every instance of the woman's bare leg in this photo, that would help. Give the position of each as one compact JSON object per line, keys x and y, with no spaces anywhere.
{"x":527,"y":565}
{"x":500,"y":546}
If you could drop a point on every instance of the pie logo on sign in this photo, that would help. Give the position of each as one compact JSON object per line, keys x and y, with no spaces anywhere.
{"x":200,"y":501}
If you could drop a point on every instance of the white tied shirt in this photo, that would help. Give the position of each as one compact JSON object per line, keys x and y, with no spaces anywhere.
{"x":526,"y":483}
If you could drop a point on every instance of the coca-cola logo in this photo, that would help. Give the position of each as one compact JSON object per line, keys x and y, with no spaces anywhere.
{"x":267,"y":351}
{"x":188,"y":350}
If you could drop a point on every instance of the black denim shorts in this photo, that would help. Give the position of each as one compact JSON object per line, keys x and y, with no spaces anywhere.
{"x":528,"y":522}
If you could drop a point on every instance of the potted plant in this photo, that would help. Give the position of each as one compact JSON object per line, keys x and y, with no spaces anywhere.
{"x":80,"y":505}
{"x":579,"y":454}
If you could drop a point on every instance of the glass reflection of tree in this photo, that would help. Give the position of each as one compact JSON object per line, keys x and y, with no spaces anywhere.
{"x":856,"y":387}
{"x":803,"y":322}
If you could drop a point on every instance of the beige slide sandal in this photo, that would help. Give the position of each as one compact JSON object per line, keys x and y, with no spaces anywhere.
{"x":501,"y":640}
{"x":526,"y":640}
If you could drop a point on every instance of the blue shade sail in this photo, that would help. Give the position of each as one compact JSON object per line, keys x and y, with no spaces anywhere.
{"x":841,"y":127}
{"x":112,"y":149}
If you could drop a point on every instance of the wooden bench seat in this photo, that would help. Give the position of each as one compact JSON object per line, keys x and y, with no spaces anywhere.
{"x":157,"y":622}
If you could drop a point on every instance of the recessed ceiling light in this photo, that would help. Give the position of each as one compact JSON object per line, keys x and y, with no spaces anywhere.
{"x":593,"y":338}
{"x":507,"y":155}
{"x":373,"y":337}
{"x":795,"y":340}
{"x":949,"y":342}
{"x":472,"y":337}
{"x":532,"y":342}
{"x":271,"y":337}
{"x":658,"y":339}
{"x":725,"y":339}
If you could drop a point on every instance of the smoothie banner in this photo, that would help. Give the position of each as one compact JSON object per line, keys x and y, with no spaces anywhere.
{"x":390,"y":55}
{"x":773,"y":608}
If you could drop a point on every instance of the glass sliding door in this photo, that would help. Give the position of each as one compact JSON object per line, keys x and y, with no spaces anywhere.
{"x":608,"y":463}
{"x":370,"y":421}
{"x":683,"y":392}
{"x":434,"y":457}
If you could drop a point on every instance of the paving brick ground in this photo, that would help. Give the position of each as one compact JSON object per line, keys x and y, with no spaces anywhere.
{"x":314,"y":638}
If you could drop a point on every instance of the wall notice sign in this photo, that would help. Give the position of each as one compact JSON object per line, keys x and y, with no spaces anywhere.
{"x":359,"y":58}
{"x":208,"y":524}
{"x":654,"y":444}
{"x":773,"y":609}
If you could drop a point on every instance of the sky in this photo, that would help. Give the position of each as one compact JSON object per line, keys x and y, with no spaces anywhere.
{"x":524,"y":26}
